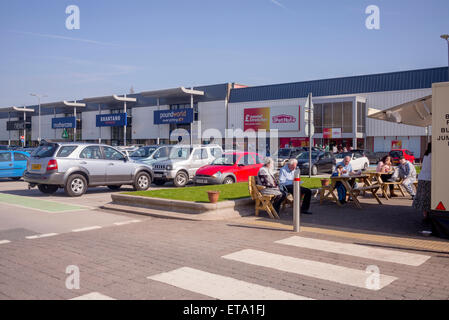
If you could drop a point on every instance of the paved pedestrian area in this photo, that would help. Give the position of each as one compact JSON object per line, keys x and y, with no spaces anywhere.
{"x":175,"y":259}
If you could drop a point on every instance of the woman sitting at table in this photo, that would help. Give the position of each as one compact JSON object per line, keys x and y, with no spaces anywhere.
{"x":385,"y":167}
{"x":265,"y":177}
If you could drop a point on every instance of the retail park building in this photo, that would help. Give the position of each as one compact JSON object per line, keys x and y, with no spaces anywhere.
{"x":340,"y":114}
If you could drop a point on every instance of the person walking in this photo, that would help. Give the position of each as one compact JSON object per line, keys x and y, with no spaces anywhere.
{"x":423,"y":193}
{"x":286,"y":177}
{"x":265,"y":177}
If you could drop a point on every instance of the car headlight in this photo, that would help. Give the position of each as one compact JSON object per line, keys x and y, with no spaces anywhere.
{"x":169,"y":167}
{"x":217,"y":175}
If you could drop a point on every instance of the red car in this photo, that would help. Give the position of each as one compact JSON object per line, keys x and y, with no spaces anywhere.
{"x":232,"y":167}
{"x":396,"y":154}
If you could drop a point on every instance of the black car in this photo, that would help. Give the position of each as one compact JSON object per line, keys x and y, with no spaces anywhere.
{"x":285,"y":154}
{"x":322,"y":162}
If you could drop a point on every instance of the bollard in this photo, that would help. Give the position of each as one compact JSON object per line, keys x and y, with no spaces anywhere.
{"x":296,"y":201}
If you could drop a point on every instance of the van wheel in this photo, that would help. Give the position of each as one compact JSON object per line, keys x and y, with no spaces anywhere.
{"x":47,"y":189}
{"x":181,"y":179}
{"x":142,"y":181}
{"x":75,"y":186}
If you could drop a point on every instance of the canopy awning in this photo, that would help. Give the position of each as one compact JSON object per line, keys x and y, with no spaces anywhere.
{"x":15,"y":109}
{"x":109,"y":99}
{"x":63,"y":104}
{"x":415,"y":113}
{"x":180,"y":92}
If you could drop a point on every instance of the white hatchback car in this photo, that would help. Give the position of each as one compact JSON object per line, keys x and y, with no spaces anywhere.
{"x":358,"y":160}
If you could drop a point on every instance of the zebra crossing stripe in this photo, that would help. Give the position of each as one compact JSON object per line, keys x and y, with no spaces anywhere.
{"x":356,"y":250}
{"x":4,"y":241}
{"x":221,"y":287}
{"x":309,"y":268}
{"x":93,"y":296}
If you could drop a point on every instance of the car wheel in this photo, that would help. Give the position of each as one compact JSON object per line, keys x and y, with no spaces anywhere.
{"x":142,"y":181}
{"x":159,"y":182}
{"x":16,"y":178}
{"x":114,"y":188}
{"x":365,"y":166}
{"x":76,"y":186}
{"x":314,"y":170}
{"x":228,"y":180}
{"x":47,"y":189}
{"x":181,"y":179}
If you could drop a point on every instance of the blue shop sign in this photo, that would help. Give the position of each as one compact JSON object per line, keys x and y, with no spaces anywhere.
{"x":63,"y":123}
{"x":112,"y":120}
{"x":181,"y":116}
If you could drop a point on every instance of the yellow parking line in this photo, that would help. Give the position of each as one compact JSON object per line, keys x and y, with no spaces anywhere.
{"x":433,"y":245}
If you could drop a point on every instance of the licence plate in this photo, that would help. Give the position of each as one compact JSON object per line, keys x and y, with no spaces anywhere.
{"x":36,"y":167}
{"x":158,"y":175}
{"x":201,"y":181}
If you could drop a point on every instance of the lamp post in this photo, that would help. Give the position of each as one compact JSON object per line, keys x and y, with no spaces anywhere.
{"x":446,"y":37}
{"x":39,"y":100}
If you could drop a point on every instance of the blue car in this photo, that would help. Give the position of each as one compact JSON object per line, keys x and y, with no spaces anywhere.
{"x":13,"y":164}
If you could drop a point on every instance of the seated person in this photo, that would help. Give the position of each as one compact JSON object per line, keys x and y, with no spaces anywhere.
{"x":266,"y":178}
{"x":286,"y":177}
{"x":339,"y":186}
{"x":407,"y":172}
{"x":385,"y":167}
{"x":347,"y":171}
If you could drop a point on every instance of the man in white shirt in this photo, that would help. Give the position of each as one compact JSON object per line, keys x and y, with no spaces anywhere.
{"x":286,"y":177}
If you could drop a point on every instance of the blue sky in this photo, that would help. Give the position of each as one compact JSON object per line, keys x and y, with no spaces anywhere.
{"x":162,"y":44}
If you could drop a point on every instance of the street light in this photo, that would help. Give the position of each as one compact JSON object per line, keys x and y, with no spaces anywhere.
{"x":446,"y":37}
{"x":39,"y":100}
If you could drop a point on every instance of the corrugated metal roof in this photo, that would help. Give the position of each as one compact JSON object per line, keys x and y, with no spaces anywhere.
{"x":404,"y":80}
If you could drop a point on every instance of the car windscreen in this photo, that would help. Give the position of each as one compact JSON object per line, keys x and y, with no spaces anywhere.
{"x":396,"y":154}
{"x":181,"y":153}
{"x":45,"y":151}
{"x":305,"y":155}
{"x":284,"y":153}
{"x":225,"y":160}
{"x":143,"y":152}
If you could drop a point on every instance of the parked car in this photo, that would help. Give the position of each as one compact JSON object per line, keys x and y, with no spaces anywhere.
{"x":358,"y":160}
{"x":285,"y":154}
{"x":396,"y":154}
{"x":13,"y":164}
{"x":183,"y":162}
{"x":373,"y":157}
{"x":321,"y":162}
{"x":151,"y":154}
{"x":77,"y":166}
{"x":230,"y":168}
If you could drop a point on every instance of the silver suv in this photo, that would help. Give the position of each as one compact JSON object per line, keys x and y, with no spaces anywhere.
{"x":77,"y":166}
{"x":182,"y":163}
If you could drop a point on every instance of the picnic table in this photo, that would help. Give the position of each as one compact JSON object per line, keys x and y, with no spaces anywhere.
{"x":376,"y":177}
{"x":366,"y":185}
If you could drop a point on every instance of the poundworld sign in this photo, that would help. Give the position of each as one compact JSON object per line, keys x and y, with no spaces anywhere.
{"x":112,"y":120}
{"x":63,"y":123}
{"x":182,"y":116}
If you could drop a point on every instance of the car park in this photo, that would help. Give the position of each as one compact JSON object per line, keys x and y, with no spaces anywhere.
{"x":358,"y":160}
{"x":151,"y":154}
{"x":183,"y":162}
{"x":13,"y":164}
{"x":322,"y":162}
{"x":77,"y":166}
{"x":232,"y":167}
{"x":396,"y":154}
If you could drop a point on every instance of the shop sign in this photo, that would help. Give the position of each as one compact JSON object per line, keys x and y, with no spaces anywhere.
{"x":282,"y":118}
{"x":112,"y":120}
{"x":332,"y":133}
{"x":63,"y":123}
{"x":181,"y":116}
{"x":396,"y":144}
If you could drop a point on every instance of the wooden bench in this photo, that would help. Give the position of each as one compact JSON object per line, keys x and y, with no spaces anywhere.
{"x":261,"y":201}
{"x":397,"y":185}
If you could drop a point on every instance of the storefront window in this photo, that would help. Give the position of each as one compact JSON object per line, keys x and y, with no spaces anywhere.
{"x":347,"y":117}
{"x":327,"y":115}
{"x":318,"y":118}
{"x":361,"y":117}
{"x":337,"y":112}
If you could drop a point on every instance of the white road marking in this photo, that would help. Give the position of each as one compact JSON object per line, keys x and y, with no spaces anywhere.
{"x":356,"y":250}
{"x":221,"y":287}
{"x":309,"y":268}
{"x":93,"y":296}
{"x":4,"y":241}
{"x":42,"y":236}
{"x":126,"y":222}
{"x":87,"y":229}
